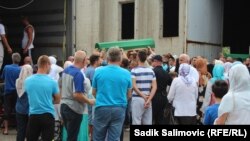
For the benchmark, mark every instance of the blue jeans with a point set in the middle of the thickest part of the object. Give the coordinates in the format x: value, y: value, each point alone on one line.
x: 108, y: 121
x: 72, y: 122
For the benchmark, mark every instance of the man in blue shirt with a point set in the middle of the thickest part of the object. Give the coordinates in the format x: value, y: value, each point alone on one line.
x: 73, y: 96
x: 42, y: 93
x: 9, y: 75
x: 111, y: 86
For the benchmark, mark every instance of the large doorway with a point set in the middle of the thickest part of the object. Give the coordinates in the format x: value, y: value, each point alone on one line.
x: 236, y: 25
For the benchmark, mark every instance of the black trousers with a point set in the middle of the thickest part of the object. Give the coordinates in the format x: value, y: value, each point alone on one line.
x: 41, y: 124
x: 186, y: 120
x: 159, y: 102
x: 22, y: 121
x: 72, y: 122
x: 9, y: 104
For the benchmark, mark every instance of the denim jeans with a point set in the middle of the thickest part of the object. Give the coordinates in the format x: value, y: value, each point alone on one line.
x: 72, y: 122
x: 22, y: 122
x: 108, y: 121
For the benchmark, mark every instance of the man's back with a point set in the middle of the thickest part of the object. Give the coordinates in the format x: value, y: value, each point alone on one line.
x: 10, y: 74
x: 112, y: 83
x: 40, y: 88
x: 162, y: 78
x: 72, y: 82
x: 144, y: 77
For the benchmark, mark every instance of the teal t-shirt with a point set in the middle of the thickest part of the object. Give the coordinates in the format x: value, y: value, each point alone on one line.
x: 112, y: 84
x: 40, y: 89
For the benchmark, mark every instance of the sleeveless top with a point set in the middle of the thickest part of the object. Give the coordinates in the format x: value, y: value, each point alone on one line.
x: 25, y: 37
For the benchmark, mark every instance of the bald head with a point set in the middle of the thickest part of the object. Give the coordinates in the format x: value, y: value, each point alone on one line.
x: 184, y: 58
x: 79, y: 58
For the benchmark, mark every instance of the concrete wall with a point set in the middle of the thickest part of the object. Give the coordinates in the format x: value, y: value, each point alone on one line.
x: 87, y: 28
x: 100, y: 20
x: 200, y: 25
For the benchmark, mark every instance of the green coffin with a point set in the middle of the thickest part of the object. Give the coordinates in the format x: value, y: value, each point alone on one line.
x: 128, y: 44
x: 243, y: 56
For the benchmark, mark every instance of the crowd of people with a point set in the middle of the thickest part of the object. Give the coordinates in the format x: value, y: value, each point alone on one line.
x: 95, y: 97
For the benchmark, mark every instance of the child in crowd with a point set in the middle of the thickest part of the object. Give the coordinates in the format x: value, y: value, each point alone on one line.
x: 219, y: 89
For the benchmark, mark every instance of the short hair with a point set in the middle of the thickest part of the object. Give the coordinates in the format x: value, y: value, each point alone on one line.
x: 93, y: 58
x: 79, y: 56
x: 27, y: 60
x: 42, y: 61
x: 16, y: 58
x: 142, y: 55
x: 219, y: 88
x: 125, y: 63
x: 114, y: 54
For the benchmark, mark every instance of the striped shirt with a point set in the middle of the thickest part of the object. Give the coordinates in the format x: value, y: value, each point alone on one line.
x: 144, y: 77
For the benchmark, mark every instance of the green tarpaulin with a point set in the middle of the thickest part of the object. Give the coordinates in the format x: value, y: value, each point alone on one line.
x: 128, y: 44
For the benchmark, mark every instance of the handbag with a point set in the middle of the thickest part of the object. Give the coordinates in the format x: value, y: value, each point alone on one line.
x: 169, y: 114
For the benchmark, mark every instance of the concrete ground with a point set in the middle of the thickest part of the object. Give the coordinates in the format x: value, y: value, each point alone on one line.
x: 12, y: 136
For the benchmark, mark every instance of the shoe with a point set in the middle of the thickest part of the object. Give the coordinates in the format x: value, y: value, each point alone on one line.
x: 5, y: 133
x: 127, y: 129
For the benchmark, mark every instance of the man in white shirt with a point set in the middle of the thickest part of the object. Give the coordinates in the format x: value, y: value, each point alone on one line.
x: 3, y: 43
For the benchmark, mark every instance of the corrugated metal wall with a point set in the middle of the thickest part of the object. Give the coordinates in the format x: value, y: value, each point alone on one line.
x: 209, y: 51
x: 47, y: 17
x: 204, y: 28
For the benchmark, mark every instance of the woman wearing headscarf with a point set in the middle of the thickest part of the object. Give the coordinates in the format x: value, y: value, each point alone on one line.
x: 183, y: 95
x: 227, y: 67
x: 55, y: 70
x: 209, y: 99
x: 22, y: 105
x: 235, y: 105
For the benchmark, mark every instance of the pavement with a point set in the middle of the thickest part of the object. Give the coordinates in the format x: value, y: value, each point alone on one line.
x: 12, y: 136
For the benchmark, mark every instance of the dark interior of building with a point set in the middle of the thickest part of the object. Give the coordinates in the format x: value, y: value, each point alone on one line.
x: 236, y: 30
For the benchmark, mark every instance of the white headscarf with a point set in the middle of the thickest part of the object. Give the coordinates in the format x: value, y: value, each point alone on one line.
x: 237, y: 101
x: 227, y: 67
x: 55, y: 69
x: 184, y: 74
x: 26, y: 71
x: 239, y: 79
x: 216, y: 62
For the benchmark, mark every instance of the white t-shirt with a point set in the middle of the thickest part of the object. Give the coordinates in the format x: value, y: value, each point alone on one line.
x: 2, y: 30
